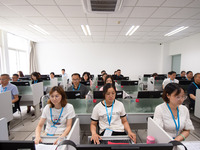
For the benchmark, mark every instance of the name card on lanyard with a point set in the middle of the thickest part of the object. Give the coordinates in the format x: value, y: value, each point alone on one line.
x: 3, y: 90
x: 108, y: 132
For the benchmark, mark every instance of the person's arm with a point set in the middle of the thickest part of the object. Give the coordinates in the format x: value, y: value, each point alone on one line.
x: 192, y: 96
x: 65, y: 133
x: 184, y: 134
x: 38, y: 130
x: 128, y: 129
x: 16, y: 98
x: 95, y: 137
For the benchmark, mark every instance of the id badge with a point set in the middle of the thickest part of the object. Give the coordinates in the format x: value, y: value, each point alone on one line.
x: 52, y: 131
x: 107, y: 132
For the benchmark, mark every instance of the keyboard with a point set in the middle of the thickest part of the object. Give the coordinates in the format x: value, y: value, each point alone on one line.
x: 113, y: 141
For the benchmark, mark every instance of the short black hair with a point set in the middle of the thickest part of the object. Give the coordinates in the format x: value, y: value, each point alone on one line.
x: 88, y: 74
x: 171, y: 72
x: 63, y: 69
x: 104, y: 74
x: 196, y: 75
x: 118, y: 69
x: 16, y: 75
x: 103, y: 71
x: 106, y: 87
x: 154, y: 74
x: 52, y: 73
x: 7, y: 75
x: 189, y: 72
x: 182, y: 71
x: 76, y: 74
x: 169, y: 89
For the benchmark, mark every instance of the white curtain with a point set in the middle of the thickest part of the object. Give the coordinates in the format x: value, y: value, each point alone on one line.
x: 32, y: 58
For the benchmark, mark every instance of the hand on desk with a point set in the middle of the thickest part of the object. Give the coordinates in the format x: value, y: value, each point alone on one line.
x: 95, y: 138
x: 132, y: 136
x: 38, y: 140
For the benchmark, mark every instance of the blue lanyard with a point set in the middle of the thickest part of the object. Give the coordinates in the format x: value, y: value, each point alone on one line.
x: 54, y: 123
x: 109, y: 118
x: 195, y: 85
x: 3, y: 90
x: 35, y: 81
x: 78, y: 87
x: 171, y: 81
x: 177, y: 127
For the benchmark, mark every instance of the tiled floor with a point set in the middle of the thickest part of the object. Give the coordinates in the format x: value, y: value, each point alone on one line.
x: 20, y: 132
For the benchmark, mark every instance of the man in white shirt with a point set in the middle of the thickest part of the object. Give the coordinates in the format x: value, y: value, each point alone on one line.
x: 171, y: 79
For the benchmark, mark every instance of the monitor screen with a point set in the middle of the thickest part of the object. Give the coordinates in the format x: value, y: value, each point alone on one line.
x: 147, y: 75
x: 27, y: 76
x: 24, y: 78
x: 167, y: 146
x: 73, y: 94
x: 45, y: 78
x: 99, y: 94
x: 21, y: 83
x: 58, y: 75
x: 125, y: 78
x: 184, y: 82
x: 17, y: 145
x: 181, y: 78
x: 149, y: 94
x: 160, y: 78
x: 87, y: 83
x: 100, y: 83
x: 129, y: 83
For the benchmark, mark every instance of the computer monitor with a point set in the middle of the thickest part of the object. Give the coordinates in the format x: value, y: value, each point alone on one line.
x: 24, y: 78
x: 28, y: 76
x: 17, y: 145
x: 181, y: 78
x: 100, y: 83
x: 185, y: 82
x: 149, y: 94
x: 23, y: 83
x: 91, y: 76
x: 45, y: 78
x: 160, y: 78
x: 167, y: 146
x: 125, y: 78
x: 58, y: 75
x: 99, y: 94
x: 73, y: 94
x: 87, y: 83
x: 147, y: 75
x: 129, y: 83
x: 162, y: 75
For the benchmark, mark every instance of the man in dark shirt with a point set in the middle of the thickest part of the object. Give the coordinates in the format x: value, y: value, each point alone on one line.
x: 119, y: 76
x: 192, y: 90
x: 77, y: 86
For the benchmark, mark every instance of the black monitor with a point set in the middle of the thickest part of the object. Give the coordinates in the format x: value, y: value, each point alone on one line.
x: 184, y: 82
x: 99, y: 94
x: 160, y: 78
x: 24, y: 78
x: 44, y: 76
x: 86, y: 83
x: 163, y: 146
x: 125, y: 78
x: 22, y: 83
x: 100, y: 83
x: 58, y: 75
x: 73, y: 94
x: 129, y: 83
x: 17, y: 145
x: 181, y: 78
x: 147, y: 75
x: 91, y: 76
x: 28, y: 76
x: 162, y: 75
x: 149, y: 94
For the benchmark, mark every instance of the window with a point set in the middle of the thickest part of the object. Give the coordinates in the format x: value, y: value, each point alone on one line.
x: 18, y: 54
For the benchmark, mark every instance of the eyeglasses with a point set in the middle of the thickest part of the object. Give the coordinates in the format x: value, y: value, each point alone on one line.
x: 181, y: 97
x: 3, y: 79
x: 75, y: 79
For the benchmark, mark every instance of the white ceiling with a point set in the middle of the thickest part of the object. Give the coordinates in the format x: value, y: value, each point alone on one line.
x: 62, y: 19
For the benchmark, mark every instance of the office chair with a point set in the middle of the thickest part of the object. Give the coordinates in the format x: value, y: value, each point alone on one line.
x: 17, y: 108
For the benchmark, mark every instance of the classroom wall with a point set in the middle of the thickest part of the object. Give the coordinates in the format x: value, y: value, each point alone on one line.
x: 189, y: 48
x: 132, y: 59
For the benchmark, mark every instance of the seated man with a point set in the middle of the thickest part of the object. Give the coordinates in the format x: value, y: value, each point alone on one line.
x: 15, y: 78
x: 52, y: 75
x: 189, y: 75
x: 192, y: 90
x: 118, y: 76
x: 77, y: 86
x: 182, y: 74
x: 171, y: 79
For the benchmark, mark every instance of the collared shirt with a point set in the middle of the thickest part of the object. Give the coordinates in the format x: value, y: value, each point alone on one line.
x: 168, y: 80
x: 10, y: 87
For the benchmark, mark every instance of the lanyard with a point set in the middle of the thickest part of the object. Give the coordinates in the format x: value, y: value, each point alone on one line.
x: 177, y: 127
x: 109, y: 118
x: 35, y: 81
x: 171, y: 81
x: 3, y: 90
x: 195, y: 85
x: 78, y: 87
x: 54, y: 123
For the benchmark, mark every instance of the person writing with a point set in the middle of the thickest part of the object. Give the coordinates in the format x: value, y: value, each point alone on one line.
x: 58, y: 114
x: 111, y: 115
x: 171, y: 115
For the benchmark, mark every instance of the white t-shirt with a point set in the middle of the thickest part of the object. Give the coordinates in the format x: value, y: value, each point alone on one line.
x: 99, y: 114
x: 168, y: 80
x: 68, y: 113
x: 163, y: 117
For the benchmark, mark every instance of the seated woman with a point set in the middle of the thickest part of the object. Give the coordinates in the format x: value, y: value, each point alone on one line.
x: 58, y: 114
x: 86, y: 77
x: 111, y: 115
x: 109, y: 79
x: 171, y: 115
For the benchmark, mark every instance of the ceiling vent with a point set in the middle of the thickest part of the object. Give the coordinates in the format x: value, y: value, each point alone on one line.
x: 102, y: 6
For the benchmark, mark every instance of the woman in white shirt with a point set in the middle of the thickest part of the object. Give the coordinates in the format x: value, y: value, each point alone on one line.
x: 171, y: 115
x: 111, y: 115
x: 58, y: 114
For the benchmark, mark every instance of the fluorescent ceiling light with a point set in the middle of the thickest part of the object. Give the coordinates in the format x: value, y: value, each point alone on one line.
x: 86, y: 29
x: 176, y: 31
x: 132, y: 30
x: 39, y: 29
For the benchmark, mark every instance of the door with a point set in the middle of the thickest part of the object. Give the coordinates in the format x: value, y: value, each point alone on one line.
x: 176, y: 63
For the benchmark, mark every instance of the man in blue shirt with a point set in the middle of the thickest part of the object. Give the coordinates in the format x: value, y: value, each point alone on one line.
x: 6, y: 86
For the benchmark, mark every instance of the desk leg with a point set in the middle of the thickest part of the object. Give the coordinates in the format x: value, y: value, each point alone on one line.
x: 37, y: 112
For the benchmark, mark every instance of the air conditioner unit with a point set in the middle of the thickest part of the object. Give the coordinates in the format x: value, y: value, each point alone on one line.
x: 102, y: 6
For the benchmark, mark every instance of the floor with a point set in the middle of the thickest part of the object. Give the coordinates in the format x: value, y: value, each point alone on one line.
x: 26, y: 132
